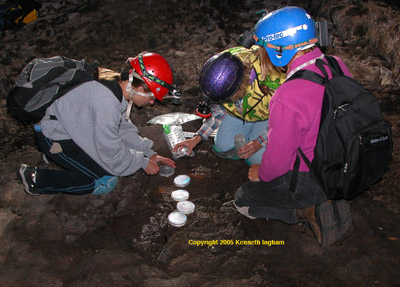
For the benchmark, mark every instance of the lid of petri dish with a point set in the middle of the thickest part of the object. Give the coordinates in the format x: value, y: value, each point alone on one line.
x: 179, y: 195
x: 182, y: 180
x: 166, y: 170
x: 177, y: 219
x: 186, y: 207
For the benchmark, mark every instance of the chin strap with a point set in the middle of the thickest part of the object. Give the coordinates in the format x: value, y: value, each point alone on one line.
x: 131, y: 93
x: 128, y: 109
x: 130, y: 104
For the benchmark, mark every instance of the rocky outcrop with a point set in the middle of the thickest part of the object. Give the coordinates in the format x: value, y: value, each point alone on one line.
x: 122, y: 238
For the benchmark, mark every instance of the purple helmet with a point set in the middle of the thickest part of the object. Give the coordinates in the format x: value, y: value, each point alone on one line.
x: 221, y: 76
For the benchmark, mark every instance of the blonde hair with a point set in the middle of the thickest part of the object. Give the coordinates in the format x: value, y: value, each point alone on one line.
x: 300, y: 53
x: 241, y: 91
x: 267, y: 67
x: 109, y: 75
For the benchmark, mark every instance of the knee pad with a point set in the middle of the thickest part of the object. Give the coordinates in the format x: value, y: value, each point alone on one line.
x: 105, y: 184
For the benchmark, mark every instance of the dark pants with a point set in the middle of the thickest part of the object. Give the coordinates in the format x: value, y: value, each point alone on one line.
x: 275, y: 200
x: 81, y: 174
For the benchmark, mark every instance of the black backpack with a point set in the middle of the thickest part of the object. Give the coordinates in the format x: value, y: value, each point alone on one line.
x: 354, y: 144
x: 42, y: 81
x: 15, y: 13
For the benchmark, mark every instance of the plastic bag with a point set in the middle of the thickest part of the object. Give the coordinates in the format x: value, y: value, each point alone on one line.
x: 174, y: 119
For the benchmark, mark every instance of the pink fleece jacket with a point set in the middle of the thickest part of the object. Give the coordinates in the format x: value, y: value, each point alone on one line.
x: 295, y: 111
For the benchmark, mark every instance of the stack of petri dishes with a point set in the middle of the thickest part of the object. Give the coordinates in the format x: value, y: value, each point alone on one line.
x: 184, y: 207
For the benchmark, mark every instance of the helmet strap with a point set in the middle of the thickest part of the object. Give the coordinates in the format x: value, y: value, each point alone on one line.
x: 128, y: 109
x: 129, y: 85
x: 133, y: 92
x: 281, y: 49
x: 151, y: 77
x: 130, y: 104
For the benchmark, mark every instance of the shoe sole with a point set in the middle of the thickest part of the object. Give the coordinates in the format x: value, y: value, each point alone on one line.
x: 341, y: 208
x: 334, y: 219
x: 326, y: 220
x: 244, y: 211
x: 21, y: 179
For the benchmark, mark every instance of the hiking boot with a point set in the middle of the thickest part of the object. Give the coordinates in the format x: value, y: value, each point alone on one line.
x: 329, y: 220
x: 27, y: 176
x: 307, y: 215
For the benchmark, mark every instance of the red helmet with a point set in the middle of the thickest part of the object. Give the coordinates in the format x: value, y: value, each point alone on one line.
x: 155, y: 72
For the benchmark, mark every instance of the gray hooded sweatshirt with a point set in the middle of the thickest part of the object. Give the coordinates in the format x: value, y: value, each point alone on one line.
x: 94, y: 119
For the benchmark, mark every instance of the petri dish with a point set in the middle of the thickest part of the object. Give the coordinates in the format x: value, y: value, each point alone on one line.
x: 182, y: 180
x: 177, y: 219
x: 185, y: 207
x: 180, y: 195
x: 166, y: 170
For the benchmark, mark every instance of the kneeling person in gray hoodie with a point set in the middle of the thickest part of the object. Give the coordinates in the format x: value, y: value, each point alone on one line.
x: 88, y: 131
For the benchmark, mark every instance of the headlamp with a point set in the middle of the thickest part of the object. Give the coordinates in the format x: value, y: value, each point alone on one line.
x: 321, y: 29
x: 203, y: 109
x: 246, y: 39
x: 174, y: 96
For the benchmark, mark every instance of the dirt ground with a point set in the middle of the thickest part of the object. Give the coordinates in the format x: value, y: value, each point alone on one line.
x: 123, y: 238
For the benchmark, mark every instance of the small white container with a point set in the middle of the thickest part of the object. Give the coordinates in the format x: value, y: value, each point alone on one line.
x: 182, y: 180
x: 177, y: 219
x: 180, y: 195
x: 185, y: 207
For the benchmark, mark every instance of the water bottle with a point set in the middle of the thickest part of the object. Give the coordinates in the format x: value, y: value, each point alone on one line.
x: 239, y: 142
x: 174, y: 135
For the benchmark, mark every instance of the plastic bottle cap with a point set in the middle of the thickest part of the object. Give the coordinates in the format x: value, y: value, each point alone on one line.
x: 186, y: 207
x: 166, y: 170
x: 182, y: 180
x: 179, y: 195
x: 177, y: 219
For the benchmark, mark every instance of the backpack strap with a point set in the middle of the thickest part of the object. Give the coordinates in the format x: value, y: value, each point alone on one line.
x: 321, y: 80
x: 333, y: 63
x: 295, y: 174
x: 304, y: 157
x: 296, y: 168
x: 308, y: 75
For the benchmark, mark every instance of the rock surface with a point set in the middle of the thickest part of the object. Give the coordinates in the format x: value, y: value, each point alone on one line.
x: 123, y: 238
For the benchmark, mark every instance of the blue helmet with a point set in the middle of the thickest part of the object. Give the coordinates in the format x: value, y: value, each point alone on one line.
x: 221, y: 76
x: 284, y: 32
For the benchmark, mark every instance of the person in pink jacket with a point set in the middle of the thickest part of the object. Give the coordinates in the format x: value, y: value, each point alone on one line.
x: 289, y: 36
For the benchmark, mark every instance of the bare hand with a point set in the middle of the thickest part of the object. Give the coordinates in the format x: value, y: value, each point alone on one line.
x: 152, y: 168
x: 253, y: 173
x: 249, y: 149
x: 162, y: 160
x: 189, y: 143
